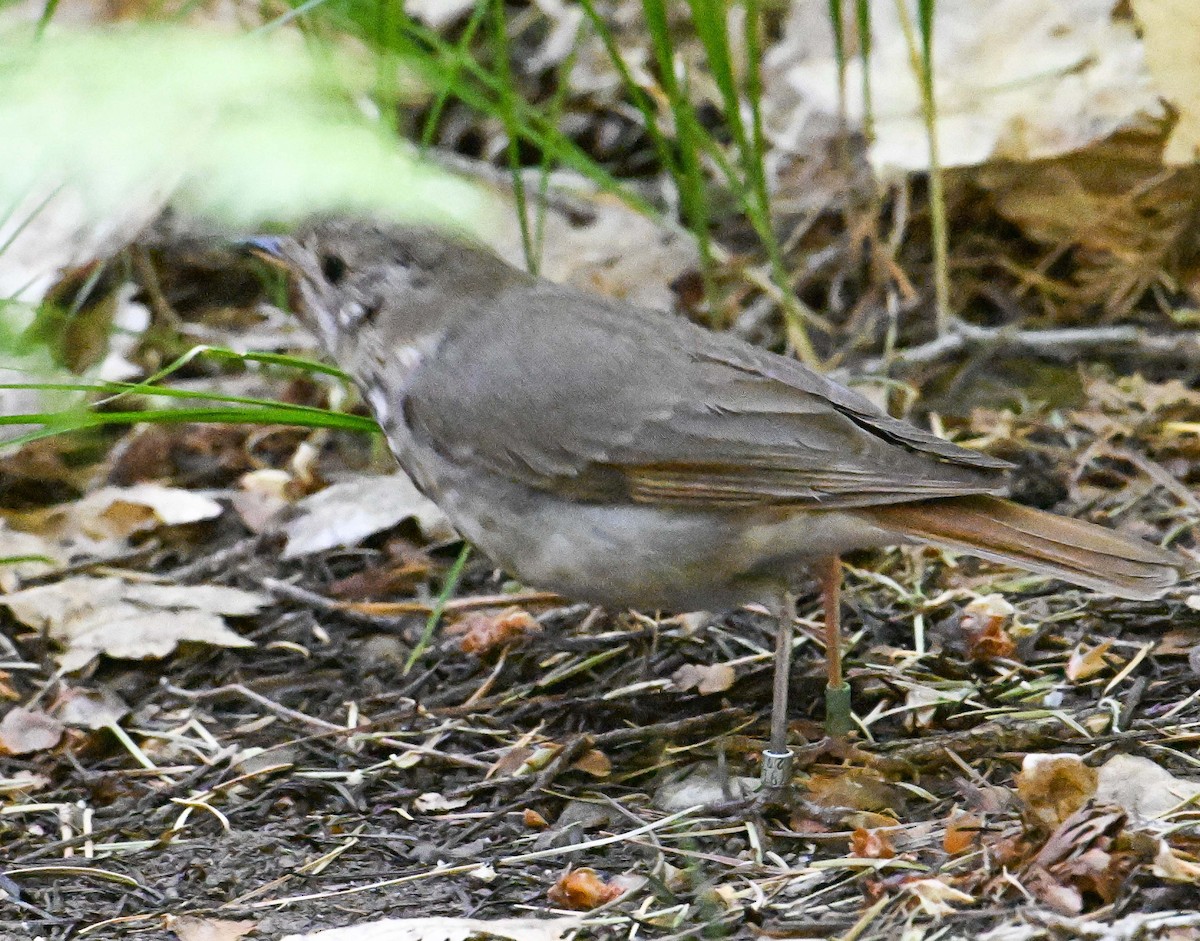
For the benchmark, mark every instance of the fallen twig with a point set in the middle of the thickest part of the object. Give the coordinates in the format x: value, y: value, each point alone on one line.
x: 1067, y: 344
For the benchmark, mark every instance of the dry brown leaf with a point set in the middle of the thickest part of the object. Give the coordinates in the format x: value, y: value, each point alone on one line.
x: 514, y: 760
x: 484, y: 632
x: 857, y: 789
x: 962, y: 833
x: 871, y: 844
x: 984, y: 622
x: 407, y: 567
x: 1084, y: 663
x: 1077, y: 862
x: 1179, y: 641
x: 23, y: 731
x: 595, y: 763
x: 935, y: 897
x: 110, y: 516
x: 191, y: 928
x: 1054, y: 787
x: 705, y: 679
x: 1169, y: 863
x: 130, y: 620
x: 582, y: 890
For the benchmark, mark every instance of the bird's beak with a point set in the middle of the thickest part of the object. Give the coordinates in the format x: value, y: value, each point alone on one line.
x: 268, y: 248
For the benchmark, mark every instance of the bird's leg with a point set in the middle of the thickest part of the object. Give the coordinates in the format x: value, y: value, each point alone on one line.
x: 777, y: 759
x: 838, y: 721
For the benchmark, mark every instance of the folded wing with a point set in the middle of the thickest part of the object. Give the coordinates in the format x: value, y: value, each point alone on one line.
x: 643, y: 406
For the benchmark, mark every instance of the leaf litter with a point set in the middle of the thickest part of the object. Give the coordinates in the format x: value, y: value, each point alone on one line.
x: 1024, y: 766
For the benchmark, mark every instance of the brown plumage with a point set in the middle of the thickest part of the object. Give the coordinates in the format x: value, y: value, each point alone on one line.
x: 1077, y: 552
x: 629, y: 457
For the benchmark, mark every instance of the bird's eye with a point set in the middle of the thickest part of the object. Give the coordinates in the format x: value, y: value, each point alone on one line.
x: 333, y: 267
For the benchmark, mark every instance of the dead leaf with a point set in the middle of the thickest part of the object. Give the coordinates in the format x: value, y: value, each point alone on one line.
x: 1084, y: 663
x: 1142, y: 787
x: 1021, y: 81
x: 1169, y: 31
x: 513, y: 761
x: 112, y: 515
x: 41, y: 556
x: 871, y: 844
x: 1077, y: 862
x: 484, y: 632
x: 582, y: 889
x: 921, y: 701
x: 595, y: 763
x: 962, y: 833
x: 19, y: 785
x: 262, y: 496
x: 407, y: 566
x: 984, y: 622
x: 1169, y: 863
x: 347, y: 512
x: 703, y: 783
x: 89, y: 708
x: 854, y: 788
x: 23, y: 731
x: 89, y: 616
x: 714, y: 678
x: 585, y: 244
x: 191, y: 928
x: 434, y: 803
x: 1054, y: 787
x: 935, y: 897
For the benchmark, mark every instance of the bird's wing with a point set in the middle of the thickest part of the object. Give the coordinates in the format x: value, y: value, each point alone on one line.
x: 604, y: 401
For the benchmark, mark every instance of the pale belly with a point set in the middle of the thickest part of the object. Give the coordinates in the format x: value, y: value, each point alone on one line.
x: 640, y: 556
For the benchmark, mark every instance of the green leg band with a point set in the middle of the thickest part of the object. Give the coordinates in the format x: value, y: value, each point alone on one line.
x: 838, y: 719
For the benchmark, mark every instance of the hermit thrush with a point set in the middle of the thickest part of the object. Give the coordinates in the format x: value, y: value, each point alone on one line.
x: 630, y: 458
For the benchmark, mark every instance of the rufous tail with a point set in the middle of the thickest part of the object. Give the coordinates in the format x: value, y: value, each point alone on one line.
x: 1077, y: 552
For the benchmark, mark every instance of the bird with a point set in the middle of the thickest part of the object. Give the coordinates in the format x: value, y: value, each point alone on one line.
x: 630, y: 458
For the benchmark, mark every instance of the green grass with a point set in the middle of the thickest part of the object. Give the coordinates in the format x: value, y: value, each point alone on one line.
x: 475, y: 69
x: 709, y: 162
x: 99, y: 412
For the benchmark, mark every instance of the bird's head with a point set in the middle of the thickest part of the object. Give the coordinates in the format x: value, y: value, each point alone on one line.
x: 366, y: 288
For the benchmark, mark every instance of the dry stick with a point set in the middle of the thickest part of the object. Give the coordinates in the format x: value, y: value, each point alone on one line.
x: 1066, y: 344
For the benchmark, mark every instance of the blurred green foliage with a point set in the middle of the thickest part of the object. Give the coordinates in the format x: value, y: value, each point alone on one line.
x: 240, y: 129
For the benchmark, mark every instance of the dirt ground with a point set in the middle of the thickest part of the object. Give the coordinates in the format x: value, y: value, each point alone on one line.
x: 1025, y: 765
x: 309, y: 782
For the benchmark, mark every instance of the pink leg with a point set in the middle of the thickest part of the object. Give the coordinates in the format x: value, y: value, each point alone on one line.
x: 838, y: 720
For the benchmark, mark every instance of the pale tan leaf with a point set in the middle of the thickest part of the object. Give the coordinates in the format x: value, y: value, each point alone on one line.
x: 191, y: 928
x: 23, y: 731
x: 1170, y: 33
x: 131, y: 620
x: 346, y: 513
x: 714, y: 678
x: 1142, y: 787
